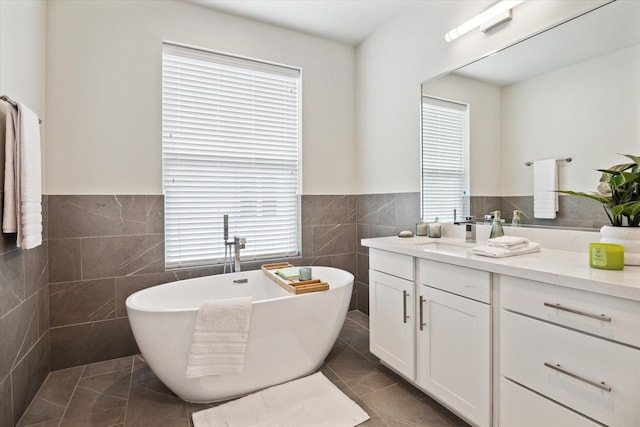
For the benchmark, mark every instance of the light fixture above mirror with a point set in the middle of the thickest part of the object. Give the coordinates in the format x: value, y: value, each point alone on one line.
x: 496, y: 15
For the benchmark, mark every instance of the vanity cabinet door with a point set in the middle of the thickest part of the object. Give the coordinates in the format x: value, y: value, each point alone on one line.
x: 391, y: 320
x: 454, y: 352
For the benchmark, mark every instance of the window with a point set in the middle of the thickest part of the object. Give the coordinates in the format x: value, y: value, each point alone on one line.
x: 231, y: 145
x: 444, y: 159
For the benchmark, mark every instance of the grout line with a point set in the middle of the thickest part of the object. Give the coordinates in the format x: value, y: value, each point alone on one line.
x: 88, y: 322
x: 72, y: 394
x: 126, y: 407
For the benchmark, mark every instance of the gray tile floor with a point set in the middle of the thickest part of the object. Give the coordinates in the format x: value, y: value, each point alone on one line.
x: 124, y: 392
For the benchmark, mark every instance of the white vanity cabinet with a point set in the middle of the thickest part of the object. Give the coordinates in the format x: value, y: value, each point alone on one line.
x: 391, y: 310
x: 453, y: 347
x: 567, y: 357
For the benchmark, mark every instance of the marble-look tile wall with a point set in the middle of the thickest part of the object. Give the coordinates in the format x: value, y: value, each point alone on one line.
x: 572, y: 212
x: 380, y: 215
x: 104, y: 248
x: 24, y: 323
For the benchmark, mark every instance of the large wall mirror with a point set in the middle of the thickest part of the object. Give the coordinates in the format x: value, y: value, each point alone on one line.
x: 571, y: 91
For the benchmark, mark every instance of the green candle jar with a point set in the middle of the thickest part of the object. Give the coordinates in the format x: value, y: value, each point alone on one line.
x: 607, y: 256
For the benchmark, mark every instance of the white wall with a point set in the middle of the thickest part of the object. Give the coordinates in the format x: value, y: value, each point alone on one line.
x: 104, y: 92
x: 22, y: 57
x: 393, y: 62
x: 587, y: 111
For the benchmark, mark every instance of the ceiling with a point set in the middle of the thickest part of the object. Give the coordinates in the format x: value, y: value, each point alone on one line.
x: 346, y: 21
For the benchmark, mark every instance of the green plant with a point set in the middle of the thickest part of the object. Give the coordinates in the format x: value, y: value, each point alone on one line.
x: 618, y: 192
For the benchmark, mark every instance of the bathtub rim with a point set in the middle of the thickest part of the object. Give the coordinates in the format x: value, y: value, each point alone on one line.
x: 130, y: 305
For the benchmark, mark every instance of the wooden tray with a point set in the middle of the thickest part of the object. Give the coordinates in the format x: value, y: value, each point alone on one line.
x: 293, y: 286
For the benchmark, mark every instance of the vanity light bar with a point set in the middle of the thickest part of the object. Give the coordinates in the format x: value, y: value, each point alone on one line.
x: 493, y: 12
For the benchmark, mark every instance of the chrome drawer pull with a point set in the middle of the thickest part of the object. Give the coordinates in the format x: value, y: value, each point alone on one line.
x: 601, y: 385
x: 602, y: 317
x: 422, y: 324
x: 405, y: 294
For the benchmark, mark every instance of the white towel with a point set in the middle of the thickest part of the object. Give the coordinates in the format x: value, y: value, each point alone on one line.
x: 509, y: 242
x: 10, y: 118
x: 495, y: 252
x: 220, y: 338
x: 545, y: 184
x: 23, y: 179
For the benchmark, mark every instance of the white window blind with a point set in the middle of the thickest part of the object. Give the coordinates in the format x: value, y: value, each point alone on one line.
x: 231, y: 142
x: 444, y: 159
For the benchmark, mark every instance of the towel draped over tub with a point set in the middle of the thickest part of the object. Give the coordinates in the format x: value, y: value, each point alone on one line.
x: 220, y: 338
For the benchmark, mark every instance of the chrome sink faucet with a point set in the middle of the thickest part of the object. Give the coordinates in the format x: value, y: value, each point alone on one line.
x: 470, y: 227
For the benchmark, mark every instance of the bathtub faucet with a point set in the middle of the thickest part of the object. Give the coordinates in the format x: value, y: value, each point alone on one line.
x: 238, y: 243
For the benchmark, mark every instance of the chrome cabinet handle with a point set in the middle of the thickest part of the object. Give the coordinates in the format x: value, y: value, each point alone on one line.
x: 422, y: 324
x: 602, y: 317
x: 556, y: 367
x: 405, y: 294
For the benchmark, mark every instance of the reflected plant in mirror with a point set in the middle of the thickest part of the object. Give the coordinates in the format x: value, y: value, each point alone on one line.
x: 618, y: 193
x: 558, y: 94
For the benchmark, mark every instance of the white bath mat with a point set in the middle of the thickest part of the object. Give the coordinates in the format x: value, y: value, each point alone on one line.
x: 306, y: 402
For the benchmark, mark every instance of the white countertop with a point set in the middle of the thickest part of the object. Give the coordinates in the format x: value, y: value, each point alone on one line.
x: 559, y: 267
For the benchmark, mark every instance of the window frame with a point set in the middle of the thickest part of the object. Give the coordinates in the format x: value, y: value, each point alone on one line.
x: 462, y: 208
x: 239, y: 222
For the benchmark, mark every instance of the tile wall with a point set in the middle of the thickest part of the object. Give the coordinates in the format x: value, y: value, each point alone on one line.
x: 380, y: 215
x: 100, y: 249
x: 573, y: 211
x: 104, y: 248
x: 24, y: 323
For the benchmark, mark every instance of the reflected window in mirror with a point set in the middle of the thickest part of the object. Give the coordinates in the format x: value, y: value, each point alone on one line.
x: 445, y: 147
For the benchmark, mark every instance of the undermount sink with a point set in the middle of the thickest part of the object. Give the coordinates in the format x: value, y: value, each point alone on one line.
x: 458, y: 248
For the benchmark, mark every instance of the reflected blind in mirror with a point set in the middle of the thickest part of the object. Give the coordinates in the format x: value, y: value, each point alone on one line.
x: 444, y: 159
x: 231, y: 145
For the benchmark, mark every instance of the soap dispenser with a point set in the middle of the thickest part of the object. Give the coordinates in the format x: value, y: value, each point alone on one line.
x: 516, y: 218
x: 496, y: 227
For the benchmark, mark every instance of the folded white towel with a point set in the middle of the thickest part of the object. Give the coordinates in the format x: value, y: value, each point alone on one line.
x: 509, y: 242
x: 545, y: 184
x: 220, y: 338
x: 495, y: 252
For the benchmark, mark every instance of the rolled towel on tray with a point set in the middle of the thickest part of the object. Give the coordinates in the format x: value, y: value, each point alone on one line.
x: 497, y: 252
x: 220, y: 338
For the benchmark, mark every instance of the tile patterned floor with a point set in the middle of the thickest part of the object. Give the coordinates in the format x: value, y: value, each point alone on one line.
x: 124, y: 392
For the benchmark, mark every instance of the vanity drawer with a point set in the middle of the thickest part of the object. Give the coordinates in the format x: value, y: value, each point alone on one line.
x: 520, y: 407
x: 391, y: 263
x: 572, y: 368
x: 613, y: 318
x: 463, y: 281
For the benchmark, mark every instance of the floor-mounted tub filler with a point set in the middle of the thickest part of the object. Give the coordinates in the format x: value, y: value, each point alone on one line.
x: 289, y: 335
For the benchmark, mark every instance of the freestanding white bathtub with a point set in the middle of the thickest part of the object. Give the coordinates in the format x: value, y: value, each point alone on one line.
x: 289, y: 336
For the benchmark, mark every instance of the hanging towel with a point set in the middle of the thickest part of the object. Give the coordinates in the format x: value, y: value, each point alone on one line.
x: 220, y: 338
x: 23, y: 179
x: 29, y: 173
x: 9, y: 116
x: 545, y: 184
